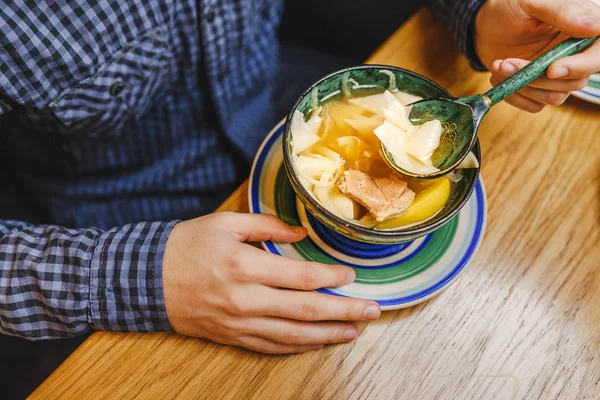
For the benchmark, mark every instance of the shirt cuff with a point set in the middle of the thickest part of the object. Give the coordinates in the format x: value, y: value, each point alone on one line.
x: 126, y: 286
x: 469, y: 46
x: 459, y: 16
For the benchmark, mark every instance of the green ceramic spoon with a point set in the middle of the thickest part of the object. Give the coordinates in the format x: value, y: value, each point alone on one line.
x: 461, y: 117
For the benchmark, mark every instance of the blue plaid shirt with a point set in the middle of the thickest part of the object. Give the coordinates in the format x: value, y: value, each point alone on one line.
x: 114, y: 112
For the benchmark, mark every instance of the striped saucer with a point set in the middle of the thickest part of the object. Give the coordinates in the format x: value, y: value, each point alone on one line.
x: 396, y: 276
x: 591, y: 92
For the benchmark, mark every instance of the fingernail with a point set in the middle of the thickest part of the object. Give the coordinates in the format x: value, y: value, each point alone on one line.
x: 591, y: 20
x: 496, y: 64
x: 299, y: 229
x: 508, y: 68
x: 560, y: 72
x: 350, y: 334
x: 350, y: 277
x: 372, y: 312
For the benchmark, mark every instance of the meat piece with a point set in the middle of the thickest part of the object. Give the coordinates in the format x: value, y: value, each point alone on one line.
x: 383, y: 197
x: 368, y: 218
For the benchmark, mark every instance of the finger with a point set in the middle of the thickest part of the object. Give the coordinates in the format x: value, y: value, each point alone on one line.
x: 547, y: 97
x: 520, y: 101
x: 578, y: 66
x: 260, y: 228
x: 496, y: 66
x: 265, y: 346
x: 312, y: 306
x: 277, y: 271
x: 560, y: 85
x: 289, y: 332
x: 508, y: 67
x: 502, y: 69
x: 577, y: 18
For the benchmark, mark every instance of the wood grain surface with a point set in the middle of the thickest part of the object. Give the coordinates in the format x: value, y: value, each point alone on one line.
x: 523, y: 321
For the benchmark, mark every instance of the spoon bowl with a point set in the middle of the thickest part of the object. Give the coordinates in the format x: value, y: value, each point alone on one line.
x: 458, y: 138
x: 461, y: 117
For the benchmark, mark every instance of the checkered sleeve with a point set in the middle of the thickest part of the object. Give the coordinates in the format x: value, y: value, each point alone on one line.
x: 459, y: 16
x: 57, y: 282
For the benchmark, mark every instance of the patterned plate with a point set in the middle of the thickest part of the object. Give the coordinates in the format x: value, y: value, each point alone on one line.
x: 591, y: 92
x: 396, y: 276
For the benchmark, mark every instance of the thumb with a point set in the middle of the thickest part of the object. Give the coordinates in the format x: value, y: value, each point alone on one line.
x: 577, y: 18
x: 262, y: 227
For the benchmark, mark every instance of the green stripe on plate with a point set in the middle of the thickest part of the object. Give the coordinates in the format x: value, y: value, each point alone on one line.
x: 441, y: 239
x: 594, y: 84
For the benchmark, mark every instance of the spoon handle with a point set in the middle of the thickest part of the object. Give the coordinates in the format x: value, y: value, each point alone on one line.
x: 537, y: 68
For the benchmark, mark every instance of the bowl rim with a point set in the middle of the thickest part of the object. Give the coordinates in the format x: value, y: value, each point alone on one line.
x: 306, y: 197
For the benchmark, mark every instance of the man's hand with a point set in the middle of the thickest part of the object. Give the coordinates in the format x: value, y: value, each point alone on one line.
x: 510, y: 33
x: 219, y: 288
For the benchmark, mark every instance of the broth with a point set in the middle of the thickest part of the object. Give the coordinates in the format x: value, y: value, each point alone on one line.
x: 336, y: 144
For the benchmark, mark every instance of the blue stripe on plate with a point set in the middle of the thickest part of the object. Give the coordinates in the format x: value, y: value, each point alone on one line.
x: 383, y: 266
x: 255, y: 179
x: 590, y: 93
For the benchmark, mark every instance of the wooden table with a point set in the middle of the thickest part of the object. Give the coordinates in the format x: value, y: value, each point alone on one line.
x: 523, y: 321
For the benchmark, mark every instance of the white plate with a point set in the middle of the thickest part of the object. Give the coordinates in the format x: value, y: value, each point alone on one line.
x: 591, y: 92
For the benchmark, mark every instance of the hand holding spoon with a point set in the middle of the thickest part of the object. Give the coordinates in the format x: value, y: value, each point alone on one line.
x: 461, y: 117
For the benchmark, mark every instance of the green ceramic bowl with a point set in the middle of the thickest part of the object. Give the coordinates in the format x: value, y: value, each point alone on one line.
x: 370, y: 78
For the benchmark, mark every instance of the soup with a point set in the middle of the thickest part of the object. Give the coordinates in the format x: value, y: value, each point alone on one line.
x: 337, y: 158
